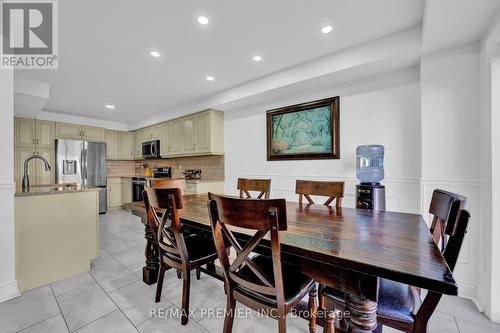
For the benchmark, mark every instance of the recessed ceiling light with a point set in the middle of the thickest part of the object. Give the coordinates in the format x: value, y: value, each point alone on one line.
x: 327, y: 29
x: 210, y: 78
x: 202, y: 20
x: 110, y: 106
x: 155, y: 54
x: 257, y: 58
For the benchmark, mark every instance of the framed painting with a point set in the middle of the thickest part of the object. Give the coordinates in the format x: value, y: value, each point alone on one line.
x: 307, y: 131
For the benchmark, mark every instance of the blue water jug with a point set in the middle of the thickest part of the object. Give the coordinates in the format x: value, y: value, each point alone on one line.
x: 370, y: 163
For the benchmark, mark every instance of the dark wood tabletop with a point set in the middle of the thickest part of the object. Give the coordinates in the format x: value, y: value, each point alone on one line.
x: 392, y: 245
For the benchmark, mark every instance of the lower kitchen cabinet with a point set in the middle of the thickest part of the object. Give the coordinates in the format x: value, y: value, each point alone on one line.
x: 114, y: 192
x: 204, y: 186
x: 126, y: 189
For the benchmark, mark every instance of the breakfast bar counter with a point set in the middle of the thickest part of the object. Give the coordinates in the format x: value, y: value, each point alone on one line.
x: 56, y: 233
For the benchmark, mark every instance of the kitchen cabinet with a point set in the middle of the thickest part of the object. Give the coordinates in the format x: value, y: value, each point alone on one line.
x: 202, y: 133
x: 34, y: 133
x: 92, y: 133
x: 125, y: 146
x: 80, y: 132
x: 36, y: 169
x: 45, y: 134
x: 114, y: 192
x: 68, y: 131
x: 126, y: 190
x: 138, y: 137
x: 164, y: 139
x: 111, y: 145
x: 151, y: 133
x: 199, y: 134
x: 189, y: 135
x: 176, y: 138
x: 204, y: 186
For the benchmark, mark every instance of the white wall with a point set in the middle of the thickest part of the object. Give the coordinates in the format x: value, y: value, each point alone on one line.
x: 8, y: 284
x: 383, y: 110
x: 450, y: 147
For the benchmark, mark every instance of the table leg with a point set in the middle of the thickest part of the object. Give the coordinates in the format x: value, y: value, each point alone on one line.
x: 361, y: 301
x: 363, y: 313
x: 150, y: 271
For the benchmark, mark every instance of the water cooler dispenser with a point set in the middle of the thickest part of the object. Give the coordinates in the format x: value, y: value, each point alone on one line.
x: 370, y: 194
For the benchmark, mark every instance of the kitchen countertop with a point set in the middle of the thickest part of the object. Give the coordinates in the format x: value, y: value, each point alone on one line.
x: 53, y: 189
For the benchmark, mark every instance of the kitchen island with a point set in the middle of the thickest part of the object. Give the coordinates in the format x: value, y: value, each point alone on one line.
x: 57, y: 232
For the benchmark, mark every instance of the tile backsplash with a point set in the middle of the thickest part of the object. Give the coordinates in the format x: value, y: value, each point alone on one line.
x: 212, y: 167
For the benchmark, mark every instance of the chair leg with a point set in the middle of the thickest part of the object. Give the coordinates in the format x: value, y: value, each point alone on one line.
x: 329, y: 325
x: 186, y: 286
x: 159, y: 285
x: 179, y: 275
x: 282, y: 324
x: 313, y: 309
x: 198, y: 273
x: 229, y: 314
x: 321, y: 297
x: 378, y: 329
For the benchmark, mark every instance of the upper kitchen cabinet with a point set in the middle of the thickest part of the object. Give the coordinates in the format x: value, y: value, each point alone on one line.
x: 189, y: 135
x: 91, y: 133
x: 80, y: 132
x: 198, y: 134
x: 68, y: 131
x: 111, y: 145
x: 138, y: 137
x: 176, y: 140
x: 45, y: 134
x: 125, y: 146
x: 31, y: 133
x: 120, y: 145
x: 165, y: 139
x: 151, y: 133
x: 37, y: 172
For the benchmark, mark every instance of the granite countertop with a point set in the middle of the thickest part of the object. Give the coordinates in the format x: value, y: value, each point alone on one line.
x: 54, y: 189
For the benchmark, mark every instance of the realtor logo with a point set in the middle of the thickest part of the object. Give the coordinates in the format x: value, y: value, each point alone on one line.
x: 29, y: 34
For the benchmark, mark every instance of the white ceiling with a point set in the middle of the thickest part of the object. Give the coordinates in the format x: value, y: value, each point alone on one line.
x: 104, y: 48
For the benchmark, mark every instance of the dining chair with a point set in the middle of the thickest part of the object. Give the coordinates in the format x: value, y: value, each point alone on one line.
x: 332, y: 190
x: 178, y: 251
x: 263, y: 282
x: 400, y: 306
x: 255, y: 185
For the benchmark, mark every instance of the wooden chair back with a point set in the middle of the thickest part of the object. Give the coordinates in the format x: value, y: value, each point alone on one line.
x: 255, y: 185
x: 167, y: 183
x: 444, y: 207
x: 263, y: 216
x: 450, y: 253
x: 162, y: 206
x: 332, y: 190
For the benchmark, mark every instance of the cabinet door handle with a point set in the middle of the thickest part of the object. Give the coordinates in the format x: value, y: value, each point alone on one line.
x: 33, y: 141
x: 37, y: 141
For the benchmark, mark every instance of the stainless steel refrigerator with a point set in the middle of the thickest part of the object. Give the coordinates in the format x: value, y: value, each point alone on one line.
x: 83, y: 162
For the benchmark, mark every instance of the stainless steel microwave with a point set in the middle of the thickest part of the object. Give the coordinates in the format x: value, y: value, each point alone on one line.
x: 151, y: 149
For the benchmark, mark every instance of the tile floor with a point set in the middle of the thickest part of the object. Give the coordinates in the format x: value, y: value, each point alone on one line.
x: 113, y: 298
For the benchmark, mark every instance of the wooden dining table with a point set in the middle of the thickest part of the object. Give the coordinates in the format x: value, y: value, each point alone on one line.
x: 345, y: 248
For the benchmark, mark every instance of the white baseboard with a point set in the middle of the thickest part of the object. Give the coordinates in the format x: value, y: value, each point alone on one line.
x: 471, y: 291
x: 8, y: 291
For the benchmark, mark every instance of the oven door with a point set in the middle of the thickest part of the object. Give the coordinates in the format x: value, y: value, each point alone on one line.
x: 137, y: 189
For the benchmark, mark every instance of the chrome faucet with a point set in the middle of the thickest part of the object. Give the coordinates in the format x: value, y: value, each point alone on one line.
x: 26, y: 177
